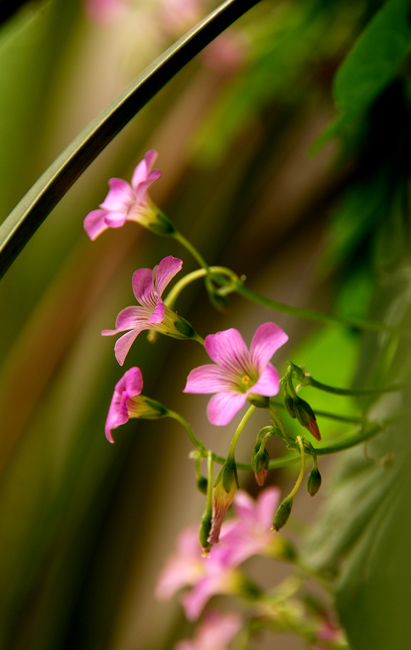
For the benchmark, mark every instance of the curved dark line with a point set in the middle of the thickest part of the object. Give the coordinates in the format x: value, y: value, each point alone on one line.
x: 39, y: 201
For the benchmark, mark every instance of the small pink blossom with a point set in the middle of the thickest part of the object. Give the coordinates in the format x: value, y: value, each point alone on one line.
x: 127, y: 403
x: 105, y: 11
x: 247, y: 534
x: 238, y: 373
x: 214, y: 633
x: 126, y: 202
x: 152, y: 313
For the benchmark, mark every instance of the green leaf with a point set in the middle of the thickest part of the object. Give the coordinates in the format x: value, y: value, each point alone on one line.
x: 373, y: 63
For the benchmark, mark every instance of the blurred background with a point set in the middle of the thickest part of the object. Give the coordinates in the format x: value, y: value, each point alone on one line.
x: 85, y: 527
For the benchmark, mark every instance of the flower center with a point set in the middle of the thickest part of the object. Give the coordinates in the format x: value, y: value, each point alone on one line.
x: 246, y: 380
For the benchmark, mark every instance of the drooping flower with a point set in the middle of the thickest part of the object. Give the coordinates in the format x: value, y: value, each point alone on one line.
x: 126, y: 202
x: 127, y: 402
x: 238, y: 373
x: 152, y: 313
x: 214, y: 633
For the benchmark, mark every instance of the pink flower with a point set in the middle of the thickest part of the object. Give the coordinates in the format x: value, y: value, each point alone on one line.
x: 249, y: 532
x: 152, y: 313
x: 207, y: 576
x: 214, y: 633
x: 239, y: 374
x: 127, y: 403
x: 105, y: 10
x: 126, y: 202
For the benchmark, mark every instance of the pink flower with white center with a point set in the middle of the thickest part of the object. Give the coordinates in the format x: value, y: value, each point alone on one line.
x: 214, y: 633
x: 239, y: 373
x: 127, y: 402
x: 126, y: 202
x: 152, y: 313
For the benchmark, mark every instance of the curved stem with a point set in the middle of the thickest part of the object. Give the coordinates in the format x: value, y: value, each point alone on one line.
x: 239, y: 430
x: 197, y: 443
x: 191, y: 249
x: 302, y: 468
x: 310, y: 314
x: 195, y: 275
x: 350, y: 391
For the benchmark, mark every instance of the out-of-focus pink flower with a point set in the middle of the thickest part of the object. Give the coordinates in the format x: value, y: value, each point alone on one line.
x: 238, y: 374
x: 206, y: 575
x: 152, y: 313
x: 226, y: 54
x: 214, y: 633
x: 105, y: 11
x: 126, y: 202
x: 127, y: 402
x: 249, y: 532
x: 178, y: 16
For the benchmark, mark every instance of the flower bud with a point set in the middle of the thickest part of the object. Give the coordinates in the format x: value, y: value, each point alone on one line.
x: 260, y: 401
x: 313, y: 481
x: 202, y: 484
x: 260, y: 461
x: 225, y: 487
x: 289, y: 405
x: 204, y: 532
x: 283, y: 513
x: 306, y: 416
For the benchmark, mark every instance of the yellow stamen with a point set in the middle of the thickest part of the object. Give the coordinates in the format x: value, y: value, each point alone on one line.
x: 246, y: 380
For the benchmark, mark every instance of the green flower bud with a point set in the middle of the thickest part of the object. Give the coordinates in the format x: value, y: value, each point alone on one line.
x: 289, y: 405
x: 260, y: 461
x: 202, y: 484
x: 204, y: 532
x: 313, y: 481
x: 260, y: 401
x: 306, y: 416
x: 283, y: 513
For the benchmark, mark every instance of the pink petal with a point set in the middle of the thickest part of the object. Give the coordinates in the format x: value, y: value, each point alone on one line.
x: 119, y: 197
x: 165, y: 272
x: 244, y: 507
x: 267, y: 339
x: 268, y: 383
x: 228, y: 349
x: 142, y: 187
x: 194, y: 601
x: 132, y: 318
x: 141, y: 171
x: 222, y: 407
x: 115, y: 219
x: 124, y: 343
x: 267, y: 503
x: 94, y: 223
x: 133, y: 381
x: 207, y: 379
x: 158, y: 313
x: 143, y: 287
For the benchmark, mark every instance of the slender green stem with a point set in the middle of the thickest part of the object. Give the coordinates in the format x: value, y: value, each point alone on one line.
x: 350, y: 391
x: 302, y: 468
x: 209, y: 502
x: 239, y: 430
x: 197, y: 443
x: 191, y: 249
x: 191, y: 277
x: 310, y: 314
